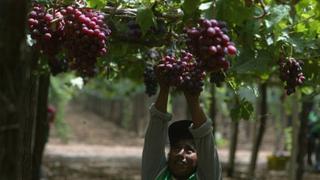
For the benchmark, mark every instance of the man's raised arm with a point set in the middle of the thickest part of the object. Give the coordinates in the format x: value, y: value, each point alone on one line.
x: 209, y: 167
x: 153, y: 157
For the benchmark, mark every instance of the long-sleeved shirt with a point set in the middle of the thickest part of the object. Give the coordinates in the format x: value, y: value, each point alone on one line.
x: 154, y: 158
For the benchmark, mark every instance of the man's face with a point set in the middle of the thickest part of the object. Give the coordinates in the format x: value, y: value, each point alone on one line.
x: 182, y: 159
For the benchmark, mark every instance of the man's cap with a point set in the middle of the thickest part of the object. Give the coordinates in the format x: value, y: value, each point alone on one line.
x: 179, y: 130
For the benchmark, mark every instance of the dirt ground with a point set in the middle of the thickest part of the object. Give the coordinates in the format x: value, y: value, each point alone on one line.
x: 87, y: 128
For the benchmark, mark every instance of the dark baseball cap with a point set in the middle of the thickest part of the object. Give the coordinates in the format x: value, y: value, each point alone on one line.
x: 179, y: 130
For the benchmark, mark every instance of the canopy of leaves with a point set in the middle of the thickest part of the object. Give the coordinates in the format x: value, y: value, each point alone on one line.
x: 261, y: 32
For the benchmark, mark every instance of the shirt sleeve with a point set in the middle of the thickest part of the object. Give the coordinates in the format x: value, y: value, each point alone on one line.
x: 209, y: 167
x: 153, y: 156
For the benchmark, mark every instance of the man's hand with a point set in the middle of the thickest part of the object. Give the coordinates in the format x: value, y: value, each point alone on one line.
x: 197, y: 114
x: 190, y: 97
x: 162, y: 99
x: 161, y: 79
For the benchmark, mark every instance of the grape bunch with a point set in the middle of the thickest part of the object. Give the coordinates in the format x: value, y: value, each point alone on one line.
x: 150, y: 81
x: 210, y: 43
x: 78, y: 35
x: 193, y: 80
x: 182, y: 73
x: 217, y: 78
x: 47, y: 29
x: 48, y: 34
x: 87, y: 35
x: 291, y: 74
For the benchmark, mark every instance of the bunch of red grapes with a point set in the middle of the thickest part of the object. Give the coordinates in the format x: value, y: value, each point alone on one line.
x: 150, y: 81
x: 87, y: 35
x: 210, y: 44
x: 184, y: 73
x: 80, y: 33
x: 49, y: 36
x: 291, y: 74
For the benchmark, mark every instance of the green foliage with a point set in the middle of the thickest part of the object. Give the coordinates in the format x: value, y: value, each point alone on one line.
x: 288, y: 138
x: 44, y: 1
x: 97, y: 4
x: 234, y: 12
x: 292, y: 30
x: 242, y: 110
x: 277, y: 13
x: 120, y: 88
x: 220, y: 141
x: 145, y: 19
x: 190, y: 8
x: 207, y: 10
x: 60, y: 94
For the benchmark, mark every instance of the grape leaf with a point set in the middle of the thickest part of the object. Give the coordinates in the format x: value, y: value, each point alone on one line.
x: 205, y: 6
x: 307, y: 90
x: 98, y: 4
x: 242, y: 110
x: 190, y: 6
x: 233, y: 11
x: 145, y: 18
x: 190, y: 9
x: 277, y: 13
x: 246, y: 109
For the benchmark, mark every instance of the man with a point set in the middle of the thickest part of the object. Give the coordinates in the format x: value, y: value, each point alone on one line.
x: 192, y: 153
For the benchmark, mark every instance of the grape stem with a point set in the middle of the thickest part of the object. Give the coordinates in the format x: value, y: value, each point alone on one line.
x: 131, y: 13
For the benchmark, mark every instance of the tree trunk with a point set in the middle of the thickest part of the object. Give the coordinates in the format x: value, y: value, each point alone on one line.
x: 301, y: 148
x: 261, y: 130
x: 295, y: 131
x: 279, y: 144
x: 15, y: 111
x: 42, y: 125
x: 29, y: 130
x: 233, y: 148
